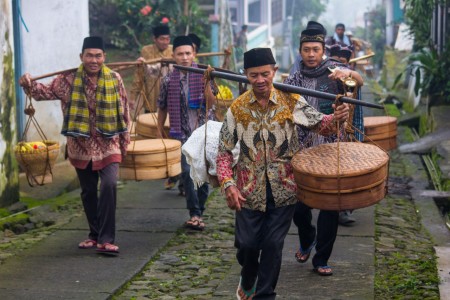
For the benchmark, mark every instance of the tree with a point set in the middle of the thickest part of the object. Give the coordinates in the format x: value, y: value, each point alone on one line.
x: 301, y: 12
x: 124, y: 23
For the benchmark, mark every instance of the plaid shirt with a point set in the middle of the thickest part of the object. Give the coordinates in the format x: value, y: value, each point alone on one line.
x: 268, y: 140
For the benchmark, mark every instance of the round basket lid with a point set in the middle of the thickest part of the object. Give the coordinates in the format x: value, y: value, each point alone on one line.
x: 153, y: 146
x: 151, y: 119
x: 379, y: 121
x: 355, y: 159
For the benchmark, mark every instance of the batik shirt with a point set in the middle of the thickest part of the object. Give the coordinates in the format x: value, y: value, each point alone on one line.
x: 268, y: 140
x: 101, y: 150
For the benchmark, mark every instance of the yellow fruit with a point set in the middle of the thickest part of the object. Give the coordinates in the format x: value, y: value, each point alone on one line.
x: 29, y: 147
x: 37, y: 145
x: 21, y: 147
x: 224, y: 93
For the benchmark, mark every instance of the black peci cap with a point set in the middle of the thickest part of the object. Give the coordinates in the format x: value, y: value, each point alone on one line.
x: 93, y: 42
x: 258, y: 57
x: 314, y: 32
x: 196, y: 40
x: 182, y: 40
x: 161, y: 30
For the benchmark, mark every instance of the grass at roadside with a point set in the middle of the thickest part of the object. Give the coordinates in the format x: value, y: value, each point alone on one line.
x: 45, y: 215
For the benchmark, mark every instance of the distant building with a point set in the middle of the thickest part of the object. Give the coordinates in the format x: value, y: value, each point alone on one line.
x: 394, y: 16
x: 440, y: 25
x: 263, y: 17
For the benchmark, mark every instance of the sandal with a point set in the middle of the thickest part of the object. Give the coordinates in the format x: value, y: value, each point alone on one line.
x: 201, y: 224
x: 323, y: 270
x: 195, y: 223
x: 303, y: 256
x: 107, y: 248
x: 87, y: 244
x: 243, y: 294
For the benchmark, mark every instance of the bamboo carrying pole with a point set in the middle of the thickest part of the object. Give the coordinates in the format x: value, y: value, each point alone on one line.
x: 130, y: 64
x: 283, y: 87
x: 110, y: 65
x: 361, y: 58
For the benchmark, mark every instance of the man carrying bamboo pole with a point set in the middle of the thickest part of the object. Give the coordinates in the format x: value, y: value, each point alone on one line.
x: 182, y: 99
x: 261, y: 186
x: 148, y: 86
x: 96, y: 116
x: 317, y: 73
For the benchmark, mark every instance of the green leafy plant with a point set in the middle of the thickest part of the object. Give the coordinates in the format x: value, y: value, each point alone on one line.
x: 128, y: 23
x: 431, y: 72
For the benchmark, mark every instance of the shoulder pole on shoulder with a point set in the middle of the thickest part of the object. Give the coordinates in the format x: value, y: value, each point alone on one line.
x: 282, y: 87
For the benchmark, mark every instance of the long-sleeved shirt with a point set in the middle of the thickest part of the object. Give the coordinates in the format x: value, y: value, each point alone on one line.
x: 101, y: 150
x: 150, y: 84
x: 190, y: 118
x: 268, y: 140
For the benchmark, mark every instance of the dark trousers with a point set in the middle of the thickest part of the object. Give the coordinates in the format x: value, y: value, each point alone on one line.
x: 195, y: 199
x: 260, y: 240
x: 100, y: 208
x: 327, y: 226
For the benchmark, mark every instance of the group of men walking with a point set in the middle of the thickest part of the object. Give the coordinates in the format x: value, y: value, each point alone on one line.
x: 269, y: 125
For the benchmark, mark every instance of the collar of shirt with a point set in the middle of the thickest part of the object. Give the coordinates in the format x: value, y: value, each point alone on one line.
x: 272, y: 97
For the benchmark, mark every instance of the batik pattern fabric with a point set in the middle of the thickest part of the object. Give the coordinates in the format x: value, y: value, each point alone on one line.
x: 317, y: 79
x: 97, y: 148
x: 268, y: 139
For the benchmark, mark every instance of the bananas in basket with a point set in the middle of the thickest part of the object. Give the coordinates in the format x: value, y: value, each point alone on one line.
x: 29, y: 147
x: 224, y: 93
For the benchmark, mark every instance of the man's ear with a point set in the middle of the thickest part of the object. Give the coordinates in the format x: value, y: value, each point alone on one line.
x: 275, y: 69
x: 81, y: 56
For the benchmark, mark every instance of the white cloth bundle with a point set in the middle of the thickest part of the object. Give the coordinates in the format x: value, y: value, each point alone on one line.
x: 194, y: 150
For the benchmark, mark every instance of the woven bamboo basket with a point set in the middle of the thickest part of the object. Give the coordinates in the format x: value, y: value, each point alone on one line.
x: 220, y: 108
x: 132, y: 131
x: 363, y: 170
x: 151, y: 159
x: 147, y: 125
x: 38, y: 163
x: 381, y: 131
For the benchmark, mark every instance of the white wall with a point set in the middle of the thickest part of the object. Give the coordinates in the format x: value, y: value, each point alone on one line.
x: 56, y: 32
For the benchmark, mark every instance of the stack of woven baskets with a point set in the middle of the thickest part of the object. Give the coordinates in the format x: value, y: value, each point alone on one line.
x: 151, y: 159
x: 381, y: 131
x: 147, y: 125
x: 340, y: 177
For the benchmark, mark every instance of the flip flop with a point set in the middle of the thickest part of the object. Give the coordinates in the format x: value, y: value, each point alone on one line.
x: 305, y: 254
x: 195, y: 223
x: 87, y: 244
x: 107, y: 248
x: 323, y: 270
